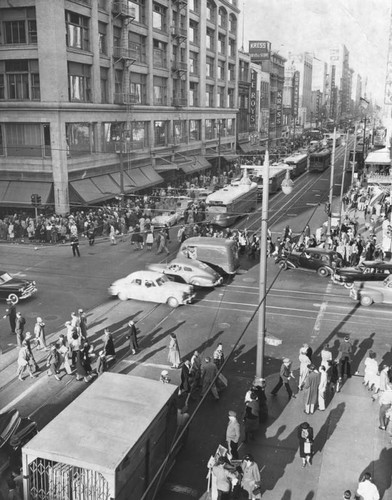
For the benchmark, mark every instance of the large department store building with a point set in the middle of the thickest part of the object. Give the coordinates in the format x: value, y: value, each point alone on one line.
x: 103, y: 97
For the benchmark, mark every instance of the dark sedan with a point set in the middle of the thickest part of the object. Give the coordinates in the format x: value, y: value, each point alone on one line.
x: 15, y: 288
x: 368, y: 270
x: 324, y: 262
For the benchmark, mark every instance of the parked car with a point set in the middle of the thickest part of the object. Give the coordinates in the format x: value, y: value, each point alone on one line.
x: 378, y: 292
x: 151, y: 286
x: 15, y: 288
x: 166, y: 219
x: 189, y: 271
x: 324, y: 262
x: 369, y: 270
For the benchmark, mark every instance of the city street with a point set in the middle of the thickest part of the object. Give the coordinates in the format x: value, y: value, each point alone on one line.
x: 301, y: 307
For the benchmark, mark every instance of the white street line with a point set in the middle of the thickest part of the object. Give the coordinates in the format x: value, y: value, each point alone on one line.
x: 321, y: 314
x: 153, y: 365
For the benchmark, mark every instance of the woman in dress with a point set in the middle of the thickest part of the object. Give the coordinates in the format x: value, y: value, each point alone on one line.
x: 174, y: 352
x: 371, y: 378
x: 39, y: 332
x: 304, y: 362
x: 250, y: 477
x: 322, y: 389
x: 305, y: 436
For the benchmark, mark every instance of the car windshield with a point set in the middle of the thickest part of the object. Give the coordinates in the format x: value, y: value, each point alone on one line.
x: 162, y: 280
x: 5, y: 277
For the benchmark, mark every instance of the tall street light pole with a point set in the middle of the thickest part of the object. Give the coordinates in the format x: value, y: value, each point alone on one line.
x: 263, y: 271
x: 354, y: 153
x: 343, y: 178
x: 331, y: 183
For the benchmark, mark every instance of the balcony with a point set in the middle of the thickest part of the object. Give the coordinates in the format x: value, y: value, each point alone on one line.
x: 179, y: 33
x: 124, y: 54
x: 180, y: 102
x: 123, y: 9
x: 179, y: 66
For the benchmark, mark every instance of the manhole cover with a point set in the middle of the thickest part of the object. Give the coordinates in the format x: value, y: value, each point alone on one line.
x: 223, y: 325
x: 249, y: 280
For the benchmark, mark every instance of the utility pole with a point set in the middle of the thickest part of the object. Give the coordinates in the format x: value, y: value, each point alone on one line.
x: 331, y: 183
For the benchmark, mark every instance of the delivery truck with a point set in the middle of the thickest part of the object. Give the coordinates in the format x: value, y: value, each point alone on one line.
x: 108, y: 444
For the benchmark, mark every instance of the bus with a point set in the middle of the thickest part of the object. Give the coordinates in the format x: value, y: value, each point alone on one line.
x: 299, y: 162
x: 228, y: 204
x: 318, y: 162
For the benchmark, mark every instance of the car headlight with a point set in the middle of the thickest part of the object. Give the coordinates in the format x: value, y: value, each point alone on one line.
x: 21, y: 289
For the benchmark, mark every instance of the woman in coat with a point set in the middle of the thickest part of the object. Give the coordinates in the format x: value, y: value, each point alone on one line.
x: 311, y: 386
x: 81, y: 372
x: 305, y: 437
x: 174, y: 352
x: 39, y: 332
x: 53, y: 362
x: 251, y: 417
x: 250, y: 477
x: 108, y: 344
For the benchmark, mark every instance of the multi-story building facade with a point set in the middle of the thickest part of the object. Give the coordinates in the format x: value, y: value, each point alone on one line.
x: 339, y: 71
x: 102, y: 97
x: 303, y: 63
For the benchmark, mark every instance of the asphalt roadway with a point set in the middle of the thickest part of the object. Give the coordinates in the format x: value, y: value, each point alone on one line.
x: 301, y: 307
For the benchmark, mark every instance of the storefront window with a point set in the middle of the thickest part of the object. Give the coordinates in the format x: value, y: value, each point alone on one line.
x: 80, y: 139
x: 160, y: 133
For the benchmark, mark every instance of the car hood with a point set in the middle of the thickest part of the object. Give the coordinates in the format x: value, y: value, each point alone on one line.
x: 157, y: 267
x: 15, y: 283
x: 348, y: 271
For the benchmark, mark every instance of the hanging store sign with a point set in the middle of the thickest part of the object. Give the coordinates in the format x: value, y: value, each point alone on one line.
x: 295, y: 93
x: 253, y: 101
x: 279, y: 102
x: 259, y: 50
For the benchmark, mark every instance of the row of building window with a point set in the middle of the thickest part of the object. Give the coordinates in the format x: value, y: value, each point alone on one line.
x: 33, y: 139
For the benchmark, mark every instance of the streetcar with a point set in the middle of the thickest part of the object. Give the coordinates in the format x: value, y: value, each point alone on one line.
x: 318, y: 162
x: 277, y: 173
x: 299, y: 162
x: 228, y: 204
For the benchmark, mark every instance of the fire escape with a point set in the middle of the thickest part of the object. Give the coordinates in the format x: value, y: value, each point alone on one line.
x: 179, y: 65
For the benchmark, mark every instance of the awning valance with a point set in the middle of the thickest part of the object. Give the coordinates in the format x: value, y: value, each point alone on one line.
x: 19, y: 192
x: 379, y: 157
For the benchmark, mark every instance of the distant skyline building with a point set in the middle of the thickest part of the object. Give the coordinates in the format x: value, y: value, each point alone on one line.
x: 303, y: 63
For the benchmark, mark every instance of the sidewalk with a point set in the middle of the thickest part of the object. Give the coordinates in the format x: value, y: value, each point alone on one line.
x: 347, y: 442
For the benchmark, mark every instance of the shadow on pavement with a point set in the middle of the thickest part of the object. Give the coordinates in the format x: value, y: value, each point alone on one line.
x: 328, y: 427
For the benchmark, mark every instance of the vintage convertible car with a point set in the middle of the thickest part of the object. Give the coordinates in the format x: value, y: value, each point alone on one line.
x: 367, y: 293
x: 368, y: 270
x: 324, y: 262
x: 189, y: 271
x: 151, y: 286
x: 166, y: 219
x: 15, y: 288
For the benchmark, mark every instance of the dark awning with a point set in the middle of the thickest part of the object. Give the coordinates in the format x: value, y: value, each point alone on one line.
x: 19, y: 192
x: 246, y: 147
x: 195, y: 164
x: 152, y: 175
x: 89, y: 192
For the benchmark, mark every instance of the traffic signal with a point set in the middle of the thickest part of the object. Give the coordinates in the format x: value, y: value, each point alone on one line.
x: 33, y: 199
x: 38, y: 199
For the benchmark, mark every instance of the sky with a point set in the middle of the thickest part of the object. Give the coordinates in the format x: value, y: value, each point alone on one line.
x: 315, y: 25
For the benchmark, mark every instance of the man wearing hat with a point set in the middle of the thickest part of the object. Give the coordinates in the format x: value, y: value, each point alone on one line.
x: 132, y: 337
x: 11, y: 314
x: 233, y: 433
x: 344, y: 357
x: 285, y: 375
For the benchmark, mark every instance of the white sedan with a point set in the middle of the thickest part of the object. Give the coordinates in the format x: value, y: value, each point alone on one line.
x: 166, y: 219
x: 151, y: 286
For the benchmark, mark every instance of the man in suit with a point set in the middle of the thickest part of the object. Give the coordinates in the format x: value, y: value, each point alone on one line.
x: 19, y: 327
x: 132, y: 337
x: 285, y: 374
x: 11, y: 314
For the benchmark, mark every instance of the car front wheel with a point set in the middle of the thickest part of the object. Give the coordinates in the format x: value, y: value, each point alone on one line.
x: 13, y: 298
x: 322, y: 271
x: 349, y: 285
x: 123, y: 296
x: 283, y: 265
x: 172, y: 302
x: 366, y: 300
